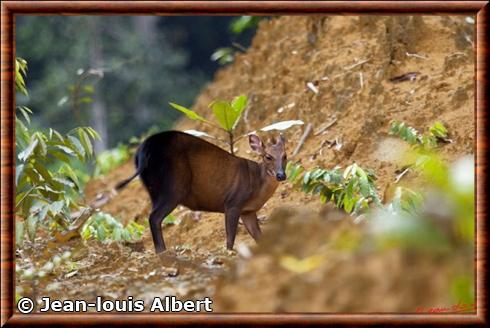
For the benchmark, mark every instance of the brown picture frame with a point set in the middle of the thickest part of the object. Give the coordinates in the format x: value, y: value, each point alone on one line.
x: 9, y: 9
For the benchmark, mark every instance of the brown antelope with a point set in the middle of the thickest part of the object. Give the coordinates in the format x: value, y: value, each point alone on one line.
x: 180, y: 169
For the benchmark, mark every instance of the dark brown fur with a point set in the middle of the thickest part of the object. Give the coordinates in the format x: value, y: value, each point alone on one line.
x: 179, y: 169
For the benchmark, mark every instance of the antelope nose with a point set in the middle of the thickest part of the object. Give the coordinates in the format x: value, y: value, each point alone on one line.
x: 281, y: 176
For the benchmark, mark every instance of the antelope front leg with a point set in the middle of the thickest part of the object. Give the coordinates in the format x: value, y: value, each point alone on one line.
x: 252, y: 224
x: 231, y: 223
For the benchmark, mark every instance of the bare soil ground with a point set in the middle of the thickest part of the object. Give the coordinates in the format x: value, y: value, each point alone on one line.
x: 350, y: 62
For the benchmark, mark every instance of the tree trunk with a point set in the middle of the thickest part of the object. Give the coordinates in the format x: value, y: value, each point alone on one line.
x: 146, y: 27
x: 98, y: 119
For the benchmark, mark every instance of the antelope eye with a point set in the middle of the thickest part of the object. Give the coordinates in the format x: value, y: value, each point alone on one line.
x: 269, y: 157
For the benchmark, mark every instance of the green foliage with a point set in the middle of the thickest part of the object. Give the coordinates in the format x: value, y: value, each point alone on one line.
x: 242, y: 23
x: 142, y: 60
x: 189, y: 113
x: 47, y: 187
x: 104, y: 227
x: 171, y: 220
x: 20, y: 72
x: 351, y: 190
x: 437, y: 133
x: 228, y: 115
x: 81, y: 93
x: 406, y: 200
x: 440, y: 215
x: 226, y: 55
x: 294, y: 172
x: 111, y: 159
x: 462, y: 289
x: 223, y: 56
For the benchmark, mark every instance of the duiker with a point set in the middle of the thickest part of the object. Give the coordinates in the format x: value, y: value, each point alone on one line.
x: 180, y: 169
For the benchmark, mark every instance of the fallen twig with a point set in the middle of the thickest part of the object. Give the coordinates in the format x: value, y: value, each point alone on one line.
x: 305, y: 135
x: 402, y: 174
x: 312, y: 87
x: 410, y: 76
x: 415, y: 55
x: 326, y: 126
x: 357, y: 64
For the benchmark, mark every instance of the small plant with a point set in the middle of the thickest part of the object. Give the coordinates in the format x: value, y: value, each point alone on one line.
x: 226, y: 55
x: 47, y: 186
x: 110, y: 159
x: 81, y: 92
x: 437, y: 133
x: 228, y: 115
x: 351, y: 190
x: 104, y: 227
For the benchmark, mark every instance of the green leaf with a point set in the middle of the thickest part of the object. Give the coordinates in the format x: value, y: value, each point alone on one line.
x: 223, y: 55
x: 101, y: 235
x: 20, y: 72
x: 239, y: 103
x: 68, y: 171
x: 78, y: 146
x: 242, y: 23
x: 42, y: 143
x: 60, y: 155
x: 170, y: 220
x: 56, y: 207
x: 32, y: 221
x: 27, y: 153
x: 19, y: 232
x: 88, y: 88
x: 189, y: 113
x: 42, y: 171
x: 116, y: 234
x: 19, y: 169
x: 306, y: 177
x: 438, y: 130
x: 25, y: 112
x: 125, y: 235
x: 57, y: 135
x: 64, y: 182
x: 85, y: 141
x: 66, y: 150
x: 225, y: 113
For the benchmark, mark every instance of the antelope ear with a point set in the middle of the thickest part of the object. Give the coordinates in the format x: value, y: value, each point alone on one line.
x: 255, y: 143
x: 282, y: 138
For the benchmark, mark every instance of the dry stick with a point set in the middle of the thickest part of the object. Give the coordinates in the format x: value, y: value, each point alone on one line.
x: 400, y: 176
x: 357, y: 64
x: 305, y: 135
x: 415, y: 55
x: 326, y: 126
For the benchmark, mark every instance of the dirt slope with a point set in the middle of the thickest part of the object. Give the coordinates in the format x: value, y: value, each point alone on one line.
x: 289, y: 52
x: 350, y: 62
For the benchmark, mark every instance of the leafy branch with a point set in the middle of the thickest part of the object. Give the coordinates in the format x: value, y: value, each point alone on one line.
x: 437, y: 133
x: 351, y: 190
x: 228, y: 115
x: 47, y: 186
